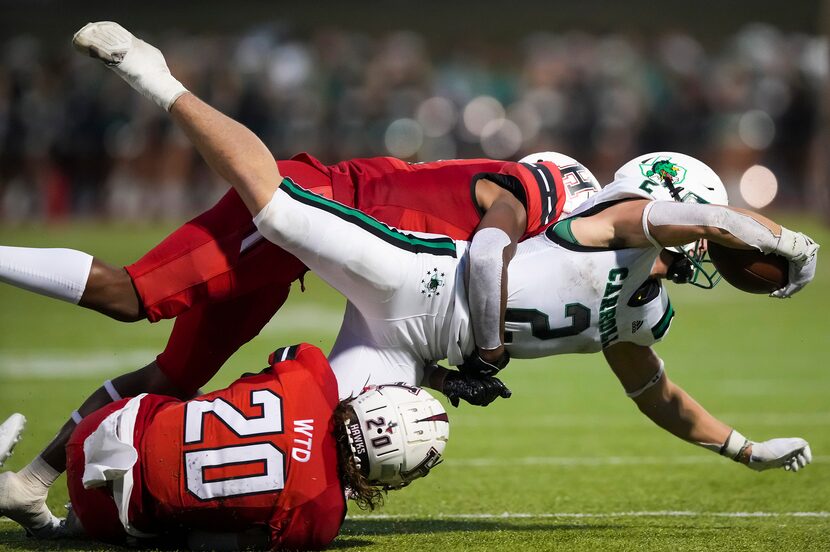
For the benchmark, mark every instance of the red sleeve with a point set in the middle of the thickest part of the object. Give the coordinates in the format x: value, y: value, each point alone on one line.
x: 544, y: 193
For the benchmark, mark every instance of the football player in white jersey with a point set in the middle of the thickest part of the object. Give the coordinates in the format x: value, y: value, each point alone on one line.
x: 407, y: 292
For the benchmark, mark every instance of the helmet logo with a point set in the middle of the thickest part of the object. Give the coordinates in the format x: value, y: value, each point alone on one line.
x: 662, y: 168
x: 577, y: 179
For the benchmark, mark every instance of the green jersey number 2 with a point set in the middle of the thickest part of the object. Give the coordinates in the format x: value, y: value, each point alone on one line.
x: 579, y: 314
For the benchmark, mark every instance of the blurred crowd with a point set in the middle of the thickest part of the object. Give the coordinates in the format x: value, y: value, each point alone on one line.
x: 77, y: 142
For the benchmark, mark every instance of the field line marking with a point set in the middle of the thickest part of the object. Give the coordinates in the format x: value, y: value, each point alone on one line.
x: 579, y: 515
x: 68, y: 364
x: 590, y: 515
x: 583, y: 461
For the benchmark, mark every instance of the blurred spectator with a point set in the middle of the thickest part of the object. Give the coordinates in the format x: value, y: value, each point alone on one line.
x: 75, y: 142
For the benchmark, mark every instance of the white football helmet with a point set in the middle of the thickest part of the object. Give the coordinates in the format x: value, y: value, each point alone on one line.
x: 399, y: 434
x: 672, y: 176
x: 580, y: 183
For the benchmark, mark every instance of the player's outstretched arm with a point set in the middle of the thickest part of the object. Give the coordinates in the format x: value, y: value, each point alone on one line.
x: 232, y: 151
x: 661, y: 224
x: 671, y: 223
x: 641, y: 373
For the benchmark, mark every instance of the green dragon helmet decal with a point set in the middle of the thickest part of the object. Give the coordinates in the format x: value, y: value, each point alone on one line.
x: 671, y: 176
x: 662, y: 170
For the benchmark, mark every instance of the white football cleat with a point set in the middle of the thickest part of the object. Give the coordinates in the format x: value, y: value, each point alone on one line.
x: 140, y: 64
x: 21, y: 503
x: 10, y: 433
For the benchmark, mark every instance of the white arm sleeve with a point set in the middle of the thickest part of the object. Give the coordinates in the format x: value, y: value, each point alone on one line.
x: 790, y: 245
x: 484, y: 293
x: 646, y: 231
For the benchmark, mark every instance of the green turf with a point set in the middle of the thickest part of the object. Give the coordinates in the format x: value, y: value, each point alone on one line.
x: 568, y: 463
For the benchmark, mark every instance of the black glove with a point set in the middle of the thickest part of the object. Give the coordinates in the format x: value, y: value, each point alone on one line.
x: 476, y: 367
x: 476, y: 391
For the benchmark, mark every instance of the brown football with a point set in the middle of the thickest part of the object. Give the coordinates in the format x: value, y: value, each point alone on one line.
x: 750, y: 270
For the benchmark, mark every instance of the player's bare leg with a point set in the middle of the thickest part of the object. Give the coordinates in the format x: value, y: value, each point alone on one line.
x: 72, y: 276
x: 232, y: 151
x: 110, y: 291
x: 23, y: 494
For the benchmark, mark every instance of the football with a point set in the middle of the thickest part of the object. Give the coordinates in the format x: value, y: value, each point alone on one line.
x: 750, y: 270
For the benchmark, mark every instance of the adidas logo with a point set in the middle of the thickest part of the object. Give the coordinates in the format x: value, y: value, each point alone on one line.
x: 636, y: 325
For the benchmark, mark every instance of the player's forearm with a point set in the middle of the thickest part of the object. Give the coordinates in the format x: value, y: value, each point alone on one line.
x: 491, y: 250
x: 672, y: 224
x: 674, y: 410
x: 232, y: 150
x: 671, y: 408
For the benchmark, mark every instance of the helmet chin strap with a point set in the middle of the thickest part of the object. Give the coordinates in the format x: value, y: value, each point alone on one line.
x: 674, y: 192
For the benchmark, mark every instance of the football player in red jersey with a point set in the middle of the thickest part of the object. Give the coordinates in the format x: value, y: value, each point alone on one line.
x: 267, y: 461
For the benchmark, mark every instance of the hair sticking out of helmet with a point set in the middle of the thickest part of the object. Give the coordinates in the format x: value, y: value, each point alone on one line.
x: 672, y: 176
x: 397, y: 435
x: 579, y: 182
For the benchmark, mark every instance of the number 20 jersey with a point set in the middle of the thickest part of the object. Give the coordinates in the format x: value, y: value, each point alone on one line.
x: 260, y: 452
x: 566, y: 298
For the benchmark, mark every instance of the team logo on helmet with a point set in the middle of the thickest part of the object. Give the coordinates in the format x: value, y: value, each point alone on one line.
x: 662, y: 168
x: 432, y: 283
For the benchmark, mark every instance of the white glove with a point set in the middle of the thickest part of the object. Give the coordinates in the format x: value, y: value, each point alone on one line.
x: 802, y: 253
x: 140, y: 64
x: 791, y: 453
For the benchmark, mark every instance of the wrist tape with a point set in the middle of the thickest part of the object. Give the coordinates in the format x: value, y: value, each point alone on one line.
x: 734, y: 446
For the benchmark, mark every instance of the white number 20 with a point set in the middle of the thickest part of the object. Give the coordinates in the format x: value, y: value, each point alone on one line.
x: 265, y: 459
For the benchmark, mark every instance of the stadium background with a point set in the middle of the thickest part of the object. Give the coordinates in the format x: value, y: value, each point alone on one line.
x: 86, y: 163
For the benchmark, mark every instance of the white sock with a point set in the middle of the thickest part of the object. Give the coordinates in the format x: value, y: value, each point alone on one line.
x: 23, y: 498
x: 57, y: 273
x: 39, y: 475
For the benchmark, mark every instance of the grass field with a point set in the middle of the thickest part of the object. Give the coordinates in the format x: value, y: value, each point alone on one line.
x: 568, y: 463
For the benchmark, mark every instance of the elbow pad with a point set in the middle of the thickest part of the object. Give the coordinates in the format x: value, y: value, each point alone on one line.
x: 484, y: 292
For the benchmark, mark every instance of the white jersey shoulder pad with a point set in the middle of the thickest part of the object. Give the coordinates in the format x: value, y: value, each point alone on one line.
x: 615, y: 191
